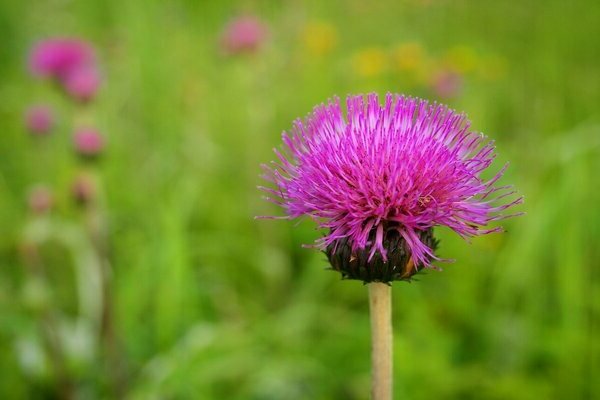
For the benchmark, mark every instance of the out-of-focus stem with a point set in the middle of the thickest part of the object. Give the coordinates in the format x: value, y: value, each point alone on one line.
x: 96, y: 227
x: 380, y: 305
x: 48, y: 328
x: 55, y: 351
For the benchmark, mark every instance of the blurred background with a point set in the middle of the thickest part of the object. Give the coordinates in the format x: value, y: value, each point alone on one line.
x: 131, y: 265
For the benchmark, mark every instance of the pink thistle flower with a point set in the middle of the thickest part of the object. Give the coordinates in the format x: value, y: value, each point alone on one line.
x: 82, y: 83
x: 84, y: 189
x: 243, y: 34
x: 88, y: 142
x: 39, y: 119
x: 447, y: 84
x: 58, y: 57
x: 381, y: 177
x: 40, y: 199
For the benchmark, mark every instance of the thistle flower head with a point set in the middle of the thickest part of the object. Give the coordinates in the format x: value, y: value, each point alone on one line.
x: 88, y: 142
x: 59, y: 57
x: 243, y: 34
x: 84, y: 189
x: 40, y: 199
x: 379, y: 178
x: 39, y: 119
x: 70, y: 62
x: 447, y: 84
x: 82, y: 83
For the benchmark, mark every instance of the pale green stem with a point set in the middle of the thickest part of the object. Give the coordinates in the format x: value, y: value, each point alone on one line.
x: 380, y: 304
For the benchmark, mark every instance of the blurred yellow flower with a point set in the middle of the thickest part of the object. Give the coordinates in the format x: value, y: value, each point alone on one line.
x: 462, y: 59
x: 424, y: 74
x: 408, y: 56
x: 319, y: 38
x: 369, y: 62
x: 493, y: 68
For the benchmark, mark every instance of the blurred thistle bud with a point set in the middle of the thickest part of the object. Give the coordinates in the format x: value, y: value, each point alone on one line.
x: 447, y: 84
x: 40, y: 199
x: 88, y: 142
x: 84, y: 189
x: 39, y: 119
x: 244, y: 34
x: 70, y: 62
x: 82, y: 83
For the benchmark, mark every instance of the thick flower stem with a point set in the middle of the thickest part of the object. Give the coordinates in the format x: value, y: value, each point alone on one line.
x: 380, y: 304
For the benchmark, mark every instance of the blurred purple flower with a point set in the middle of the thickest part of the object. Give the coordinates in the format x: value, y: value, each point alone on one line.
x: 88, y: 142
x: 39, y: 119
x: 70, y: 62
x: 243, y: 34
x: 447, y: 84
x: 59, y: 57
x: 40, y: 199
x: 396, y: 169
x: 82, y: 83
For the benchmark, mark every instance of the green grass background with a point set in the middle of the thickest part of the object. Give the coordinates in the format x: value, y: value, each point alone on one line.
x: 212, y: 304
